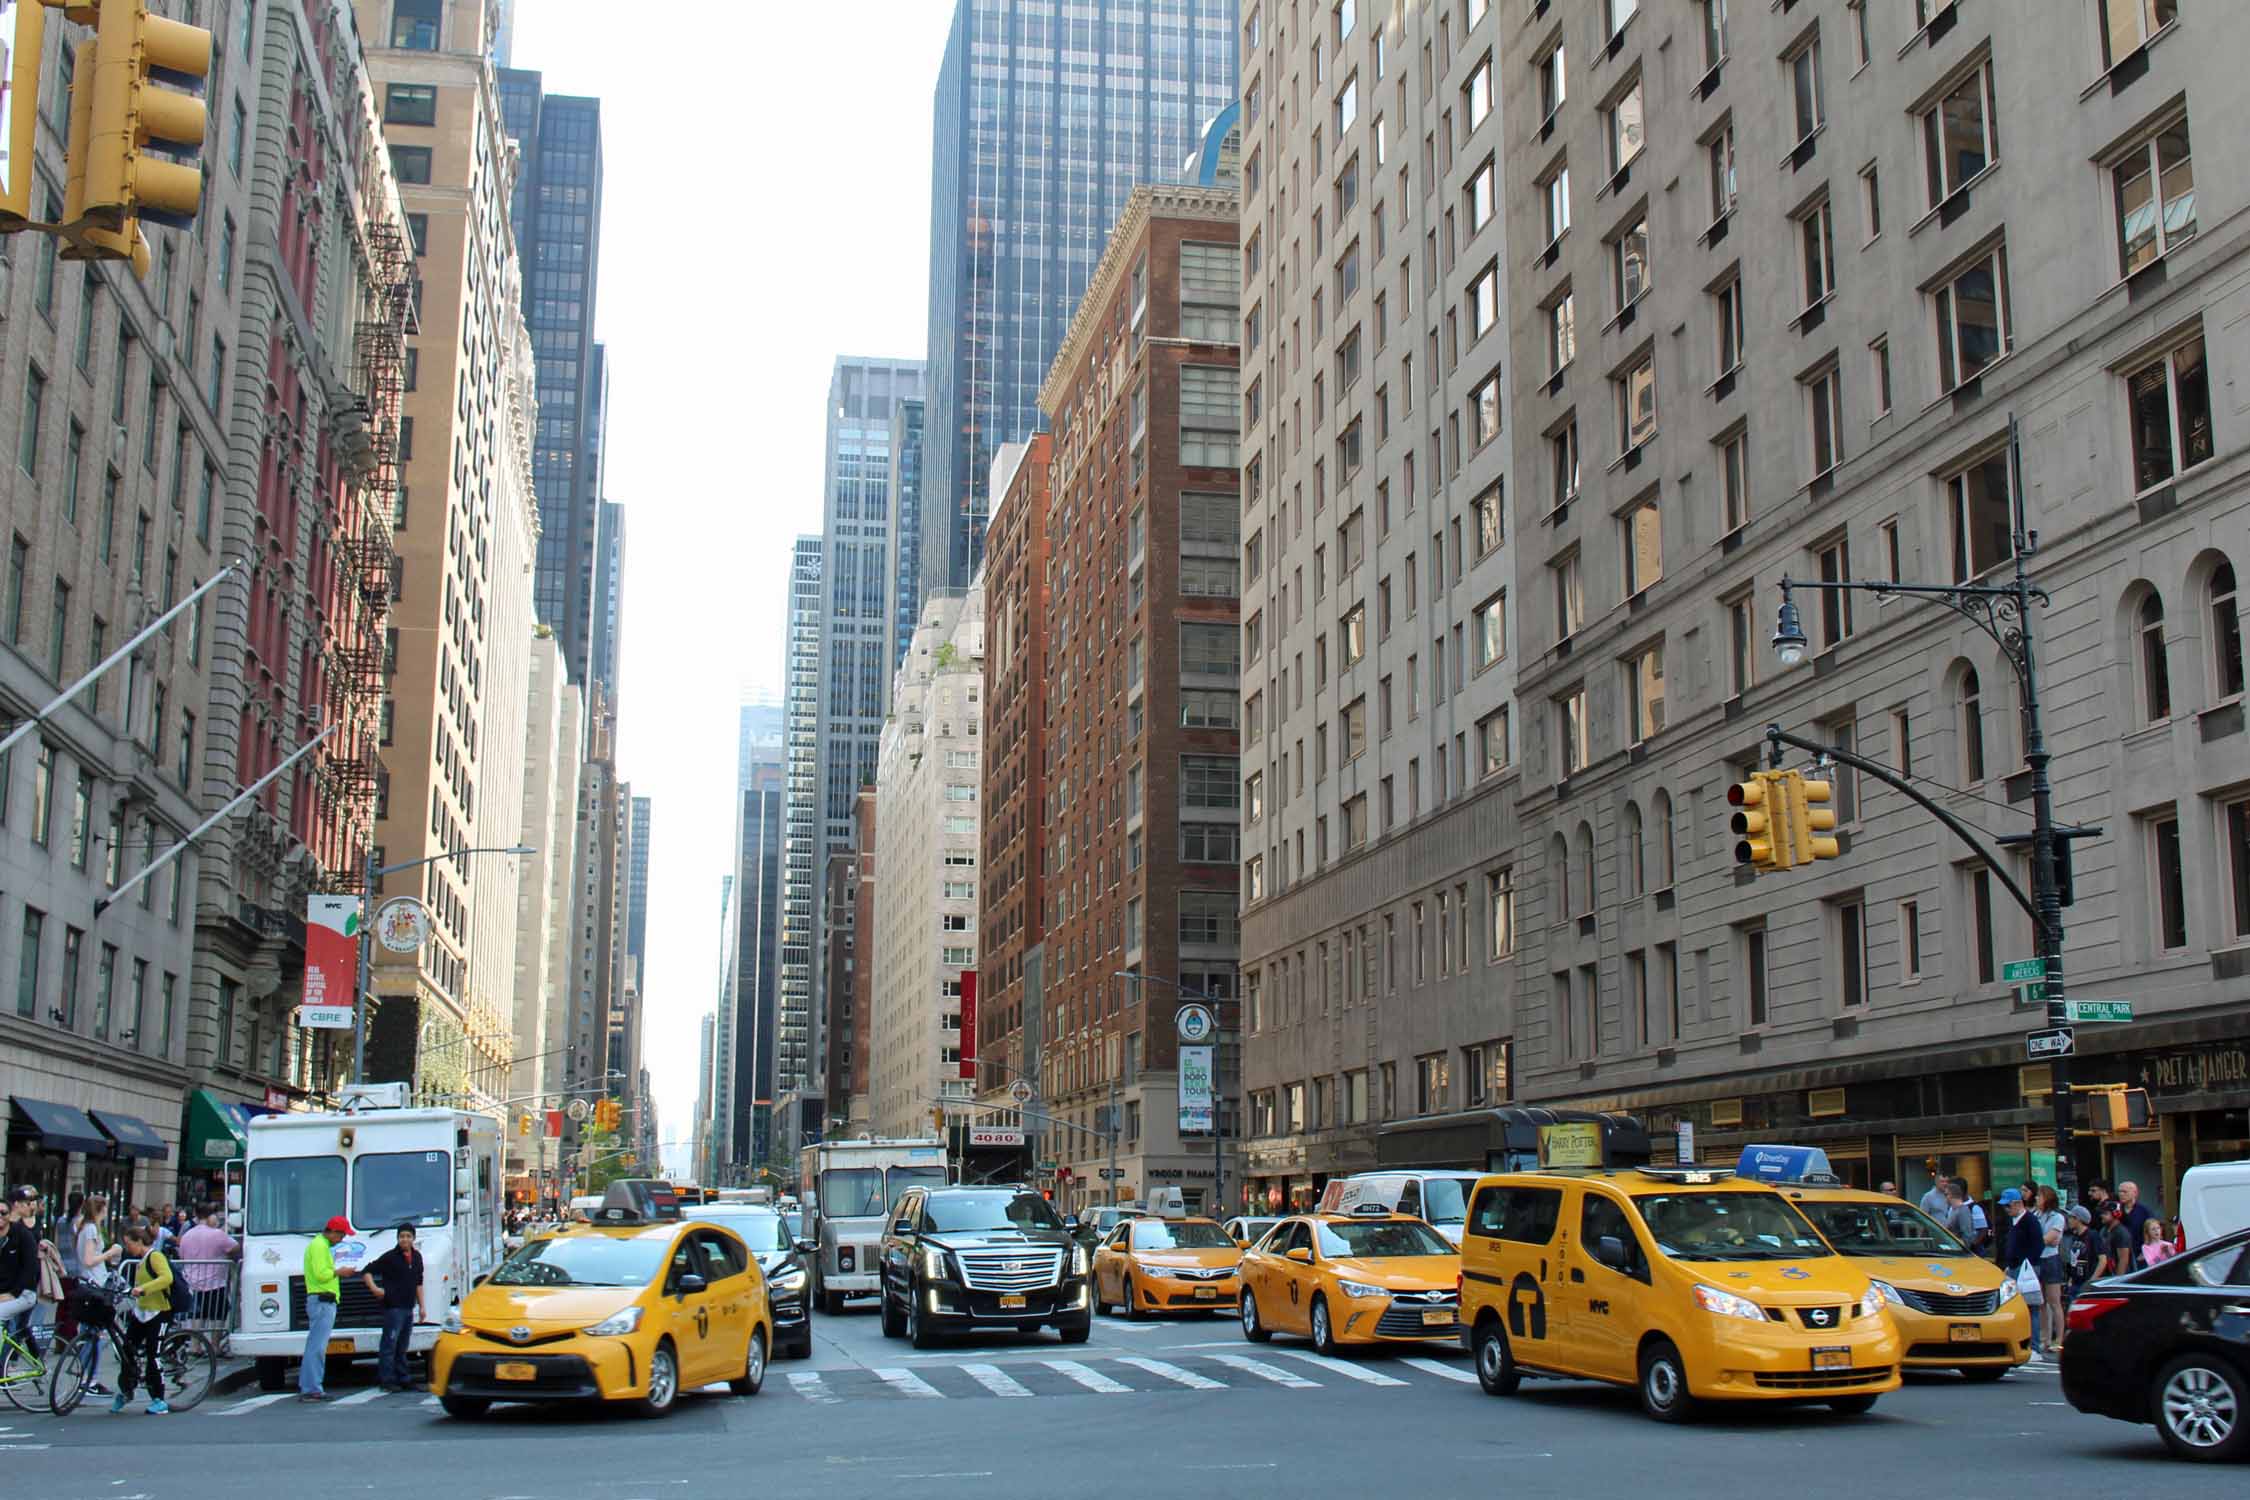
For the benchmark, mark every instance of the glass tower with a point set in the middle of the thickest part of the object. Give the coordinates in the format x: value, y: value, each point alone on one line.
x: 1048, y: 113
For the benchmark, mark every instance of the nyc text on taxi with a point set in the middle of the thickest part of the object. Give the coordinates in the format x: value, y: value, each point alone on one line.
x: 1157, y: 1265
x: 634, y: 1306
x: 1687, y: 1284
x: 1359, y: 1278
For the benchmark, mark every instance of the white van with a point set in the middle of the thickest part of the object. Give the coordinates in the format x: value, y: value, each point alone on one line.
x: 2214, y: 1200
x: 1437, y: 1196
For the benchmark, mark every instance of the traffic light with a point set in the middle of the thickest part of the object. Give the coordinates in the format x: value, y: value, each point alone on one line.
x: 2113, y: 1107
x: 607, y: 1113
x: 145, y: 145
x: 85, y: 241
x: 25, y: 51
x: 1811, y: 824
x: 1760, y: 823
x: 523, y: 1125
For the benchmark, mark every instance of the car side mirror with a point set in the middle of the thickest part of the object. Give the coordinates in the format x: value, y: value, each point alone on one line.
x: 1300, y: 1255
x: 1070, y: 1222
x: 691, y: 1283
x: 807, y: 1247
x: 481, y: 1279
x: 1610, y: 1251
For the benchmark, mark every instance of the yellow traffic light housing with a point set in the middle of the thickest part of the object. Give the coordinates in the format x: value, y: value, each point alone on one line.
x: 86, y: 242
x: 1760, y: 822
x: 144, y: 147
x: 2112, y: 1108
x: 1811, y: 824
x: 25, y: 51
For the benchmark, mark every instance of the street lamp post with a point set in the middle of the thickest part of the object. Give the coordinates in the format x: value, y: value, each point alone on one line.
x: 366, y: 940
x: 2002, y: 611
x: 1218, y: 1099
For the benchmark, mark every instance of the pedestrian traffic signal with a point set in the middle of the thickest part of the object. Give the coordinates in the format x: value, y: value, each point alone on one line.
x: 1760, y: 823
x: 2113, y: 1107
x: 1811, y: 824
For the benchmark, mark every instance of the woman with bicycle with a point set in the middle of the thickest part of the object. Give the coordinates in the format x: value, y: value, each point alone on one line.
x: 19, y: 1261
x: 148, y: 1313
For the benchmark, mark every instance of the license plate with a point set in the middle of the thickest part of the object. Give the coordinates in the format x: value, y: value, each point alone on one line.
x: 1437, y: 1316
x: 1011, y: 1299
x: 1832, y: 1359
x: 516, y: 1370
x: 1966, y: 1333
x: 340, y: 1346
x: 1206, y: 1294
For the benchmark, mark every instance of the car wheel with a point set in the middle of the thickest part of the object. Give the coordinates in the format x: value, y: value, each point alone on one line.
x: 1323, y: 1332
x: 663, y: 1382
x: 1983, y: 1374
x: 894, y: 1323
x: 1663, y: 1383
x: 2202, y: 1408
x: 1253, y: 1330
x: 273, y: 1374
x: 753, y: 1366
x: 919, y: 1333
x: 832, y: 1303
x: 1496, y: 1361
x: 467, y: 1408
x: 801, y: 1349
x: 1134, y: 1313
x: 1851, y: 1406
x: 1078, y: 1332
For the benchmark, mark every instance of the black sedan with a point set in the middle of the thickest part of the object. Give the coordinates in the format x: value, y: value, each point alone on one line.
x: 2170, y: 1345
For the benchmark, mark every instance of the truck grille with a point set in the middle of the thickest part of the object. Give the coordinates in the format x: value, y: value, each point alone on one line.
x: 356, y: 1306
x: 1009, y: 1270
x: 1973, y: 1305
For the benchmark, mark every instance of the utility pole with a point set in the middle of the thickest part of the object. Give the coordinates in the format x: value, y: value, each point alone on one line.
x: 1112, y: 1128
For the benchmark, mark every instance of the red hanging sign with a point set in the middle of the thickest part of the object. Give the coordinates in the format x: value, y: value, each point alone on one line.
x: 968, y: 1023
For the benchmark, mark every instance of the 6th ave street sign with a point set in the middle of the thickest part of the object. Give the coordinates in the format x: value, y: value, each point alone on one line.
x: 2059, y: 1042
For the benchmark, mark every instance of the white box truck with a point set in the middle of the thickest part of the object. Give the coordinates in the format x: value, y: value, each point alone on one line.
x: 847, y: 1186
x: 380, y: 1165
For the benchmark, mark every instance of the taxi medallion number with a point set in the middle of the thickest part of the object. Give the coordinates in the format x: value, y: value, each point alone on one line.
x: 1834, y: 1358
x: 1435, y: 1316
x: 1011, y: 1299
x: 1966, y: 1333
x: 516, y: 1370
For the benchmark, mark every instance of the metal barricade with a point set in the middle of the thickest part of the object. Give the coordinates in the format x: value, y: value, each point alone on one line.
x: 210, y: 1294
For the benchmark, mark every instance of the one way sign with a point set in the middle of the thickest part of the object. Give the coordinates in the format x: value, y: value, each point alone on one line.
x: 2059, y: 1042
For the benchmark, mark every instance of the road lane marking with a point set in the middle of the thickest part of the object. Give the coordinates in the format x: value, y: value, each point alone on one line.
x: 1265, y: 1371
x: 1344, y: 1367
x: 994, y: 1380
x: 907, y: 1383
x: 361, y: 1398
x: 1187, y: 1378
x: 1466, y: 1377
x: 809, y: 1385
x: 1092, y: 1379
x: 250, y: 1404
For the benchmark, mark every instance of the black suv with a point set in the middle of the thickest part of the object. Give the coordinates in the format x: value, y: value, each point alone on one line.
x: 781, y: 1260
x: 982, y: 1257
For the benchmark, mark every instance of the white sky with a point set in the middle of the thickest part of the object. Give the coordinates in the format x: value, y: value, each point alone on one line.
x: 766, y: 209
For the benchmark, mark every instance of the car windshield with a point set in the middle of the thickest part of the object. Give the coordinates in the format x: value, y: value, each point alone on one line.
x: 760, y: 1228
x: 295, y: 1194
x: 962, y: 1212
x: 1445, y: 1200
x: 1881, y: 1229
x: 1155, y: 1234
x: 402, y: 1187
x: 1379, y: 1239
x: 1728, y: 1226
x: 852, y: 1193
x: 583, y: 1260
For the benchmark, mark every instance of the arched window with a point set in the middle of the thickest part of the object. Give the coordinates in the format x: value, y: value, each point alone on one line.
x: 1558, y: 856
x: 1586, y: 859
x: 1667, y: 870
x: 1635, y: 852
x: 2156, y: 670
x: 1972, y: 727
x: 2226, y: 633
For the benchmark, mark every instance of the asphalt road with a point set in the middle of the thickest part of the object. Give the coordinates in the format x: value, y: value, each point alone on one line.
x: 1152, y: 1409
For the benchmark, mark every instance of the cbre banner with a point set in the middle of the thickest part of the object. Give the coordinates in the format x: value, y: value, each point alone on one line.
x: 968, y: 1023
x: 331, y: 962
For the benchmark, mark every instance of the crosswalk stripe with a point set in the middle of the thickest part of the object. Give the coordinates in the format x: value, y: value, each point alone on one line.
x: 1436, y: 1368
x: 995, y: 1380
x: 250, y: 1404
x: 1265, y: 1371
x: 431, y: 1403
x: 907, y: 1383
x: 361, y: 1398
x: 1092, y: 1379
x: 1345, y: 1367
x: 1187, y: 1378
x: 808, y: 1384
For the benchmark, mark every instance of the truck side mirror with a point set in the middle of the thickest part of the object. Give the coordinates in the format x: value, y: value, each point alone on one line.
x: 1070, y: 1222
x: 807, y: 1247
x: 234, y: 1197
x: 903, y: 1226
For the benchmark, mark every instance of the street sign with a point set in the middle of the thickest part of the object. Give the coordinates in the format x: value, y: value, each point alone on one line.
x: 2056, y: 1043
x: 1111, y: 1174
x: 995, y: 1135
x: 2016, y: 970
x: 2100, y: 1010
x: 2033, y: 993
x: 1195, y: 1022
x: 1020, y: 1091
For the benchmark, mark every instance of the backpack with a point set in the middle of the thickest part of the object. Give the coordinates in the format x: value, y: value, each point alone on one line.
x: 182, y: 1297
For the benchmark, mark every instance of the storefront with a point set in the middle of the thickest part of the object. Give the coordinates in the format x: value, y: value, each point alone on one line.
x: 42, y: 1137
x: 214, y: 1132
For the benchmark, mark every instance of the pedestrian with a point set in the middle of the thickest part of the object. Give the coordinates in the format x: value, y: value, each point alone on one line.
x: 2019, y: 1257
x: 19, y: 1262
x: 2117, y: 1242
x: 2051, y: 1274
x: 2097, y: 1197
x: 1980, y: 1224
x: 395, y: 1276
x: 1933, y: 1201
x: 95, y: 1254
x: 2079, y: 1251
x: 147, y: 1314
x: 321, y: 1291
x: 204, y: 1252
x: 2156, y: 1245
x: 1889, y: 1189
x: 2137, y: 1215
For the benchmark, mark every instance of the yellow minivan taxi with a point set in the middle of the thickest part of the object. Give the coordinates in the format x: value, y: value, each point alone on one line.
x: 1953, y: 1309
x: 1687, y: 1284
x: 635, y: 1312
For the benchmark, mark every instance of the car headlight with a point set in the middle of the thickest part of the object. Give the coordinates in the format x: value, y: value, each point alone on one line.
x: 1361, y: 1289
x: 1878, y: 1293
x: 270, y: 1308
x: 1078, y: 1260
x: 933, y: 1263
x: 617, y: 1323
x: 1727, y: 1305
x: 792, y: 1280
x: 2009, y: 1291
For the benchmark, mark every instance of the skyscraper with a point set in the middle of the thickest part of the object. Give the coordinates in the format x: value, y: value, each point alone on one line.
x: 1044, y: 122
x: 785, y: 1011
x: 636, y: 929
x: 906, y: 528
x: 556, y: 213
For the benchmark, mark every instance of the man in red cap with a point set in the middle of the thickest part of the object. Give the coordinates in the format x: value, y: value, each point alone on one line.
x: 321, y: 1290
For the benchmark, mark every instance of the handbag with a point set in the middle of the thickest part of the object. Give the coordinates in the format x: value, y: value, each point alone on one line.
x: 2027, y: 1281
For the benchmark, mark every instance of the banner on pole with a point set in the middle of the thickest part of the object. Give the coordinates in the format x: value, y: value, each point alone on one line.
x: 331, y: 962
x: 968, y: 1023
x: 1195, y: 1090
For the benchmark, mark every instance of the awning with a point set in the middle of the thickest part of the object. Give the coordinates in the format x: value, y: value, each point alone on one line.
x: 58, y: 1126
x: 216, y: 1132
x: 134, y: 1136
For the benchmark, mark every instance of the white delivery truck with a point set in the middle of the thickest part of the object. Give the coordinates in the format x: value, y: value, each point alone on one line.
x: 847, y: 1187
x: 380, y: 1165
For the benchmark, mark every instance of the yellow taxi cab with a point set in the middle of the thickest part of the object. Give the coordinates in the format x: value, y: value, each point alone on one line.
x: 1368, y: 1277
x: 633, y: 1306
x: 1151, y: 1265
x: 1688, y: 1284
x: 1954, y: 1310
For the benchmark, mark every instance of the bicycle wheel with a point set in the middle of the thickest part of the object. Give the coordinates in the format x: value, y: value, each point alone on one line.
x: 190, y: 1362
x: 73, y: 1372
x: 23, y: 1377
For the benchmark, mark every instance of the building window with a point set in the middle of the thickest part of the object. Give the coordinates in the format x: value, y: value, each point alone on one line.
x: 1972, y: 318
x: 1210, y: 416
x: 1871, y: 200
x: 1562, y: 452
x: 2238, y: 863
x: 1982, y: 516
x: 2155, y: 189
x: 2128, y: 25
x: 1629, y: 264
x: 1972, y: 726
x: 1643, y: 528
x: 1555, y: 191
x: 1644, y: 681
x: 1816, y: 242
x: 1751, y: 945
x: 411, y: 164
x: 1851, y: 952
x: 1742, y: 644
x: 1577, y: 731
x: 1476, y: 94
x: 1726, y: 302
x: 1562, y: 332
x: 1554, y: 84
x: 1804, y: 88
x: 1210, y: 781
x: 1622, y: 123
x: 2155, y: 669
x: 1484, y: 301
x: 1636, y: 403
x: 1909, y: 941
x: 1719, y: 151
x: 1824, y: 400
x: 1879, y: 370
x: 1480, y: 194
x: 1430, y: 1083
x: 2168, y: 404
x: 1957, y: 134
x: 1835, y: 563
x: 1492, y: 630
x: 1980, y: 924
x: 410, y: 104
x: 2226, y: 633
x: 1210, y: 843
x: 1492, y: 741
x: 1570, y: 595
x: 1500, y: 903
x: 2168, y: 882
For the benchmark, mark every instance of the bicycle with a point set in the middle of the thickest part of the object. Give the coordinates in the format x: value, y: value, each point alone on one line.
x: 186, y: 1357
x: 23, y: 1370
